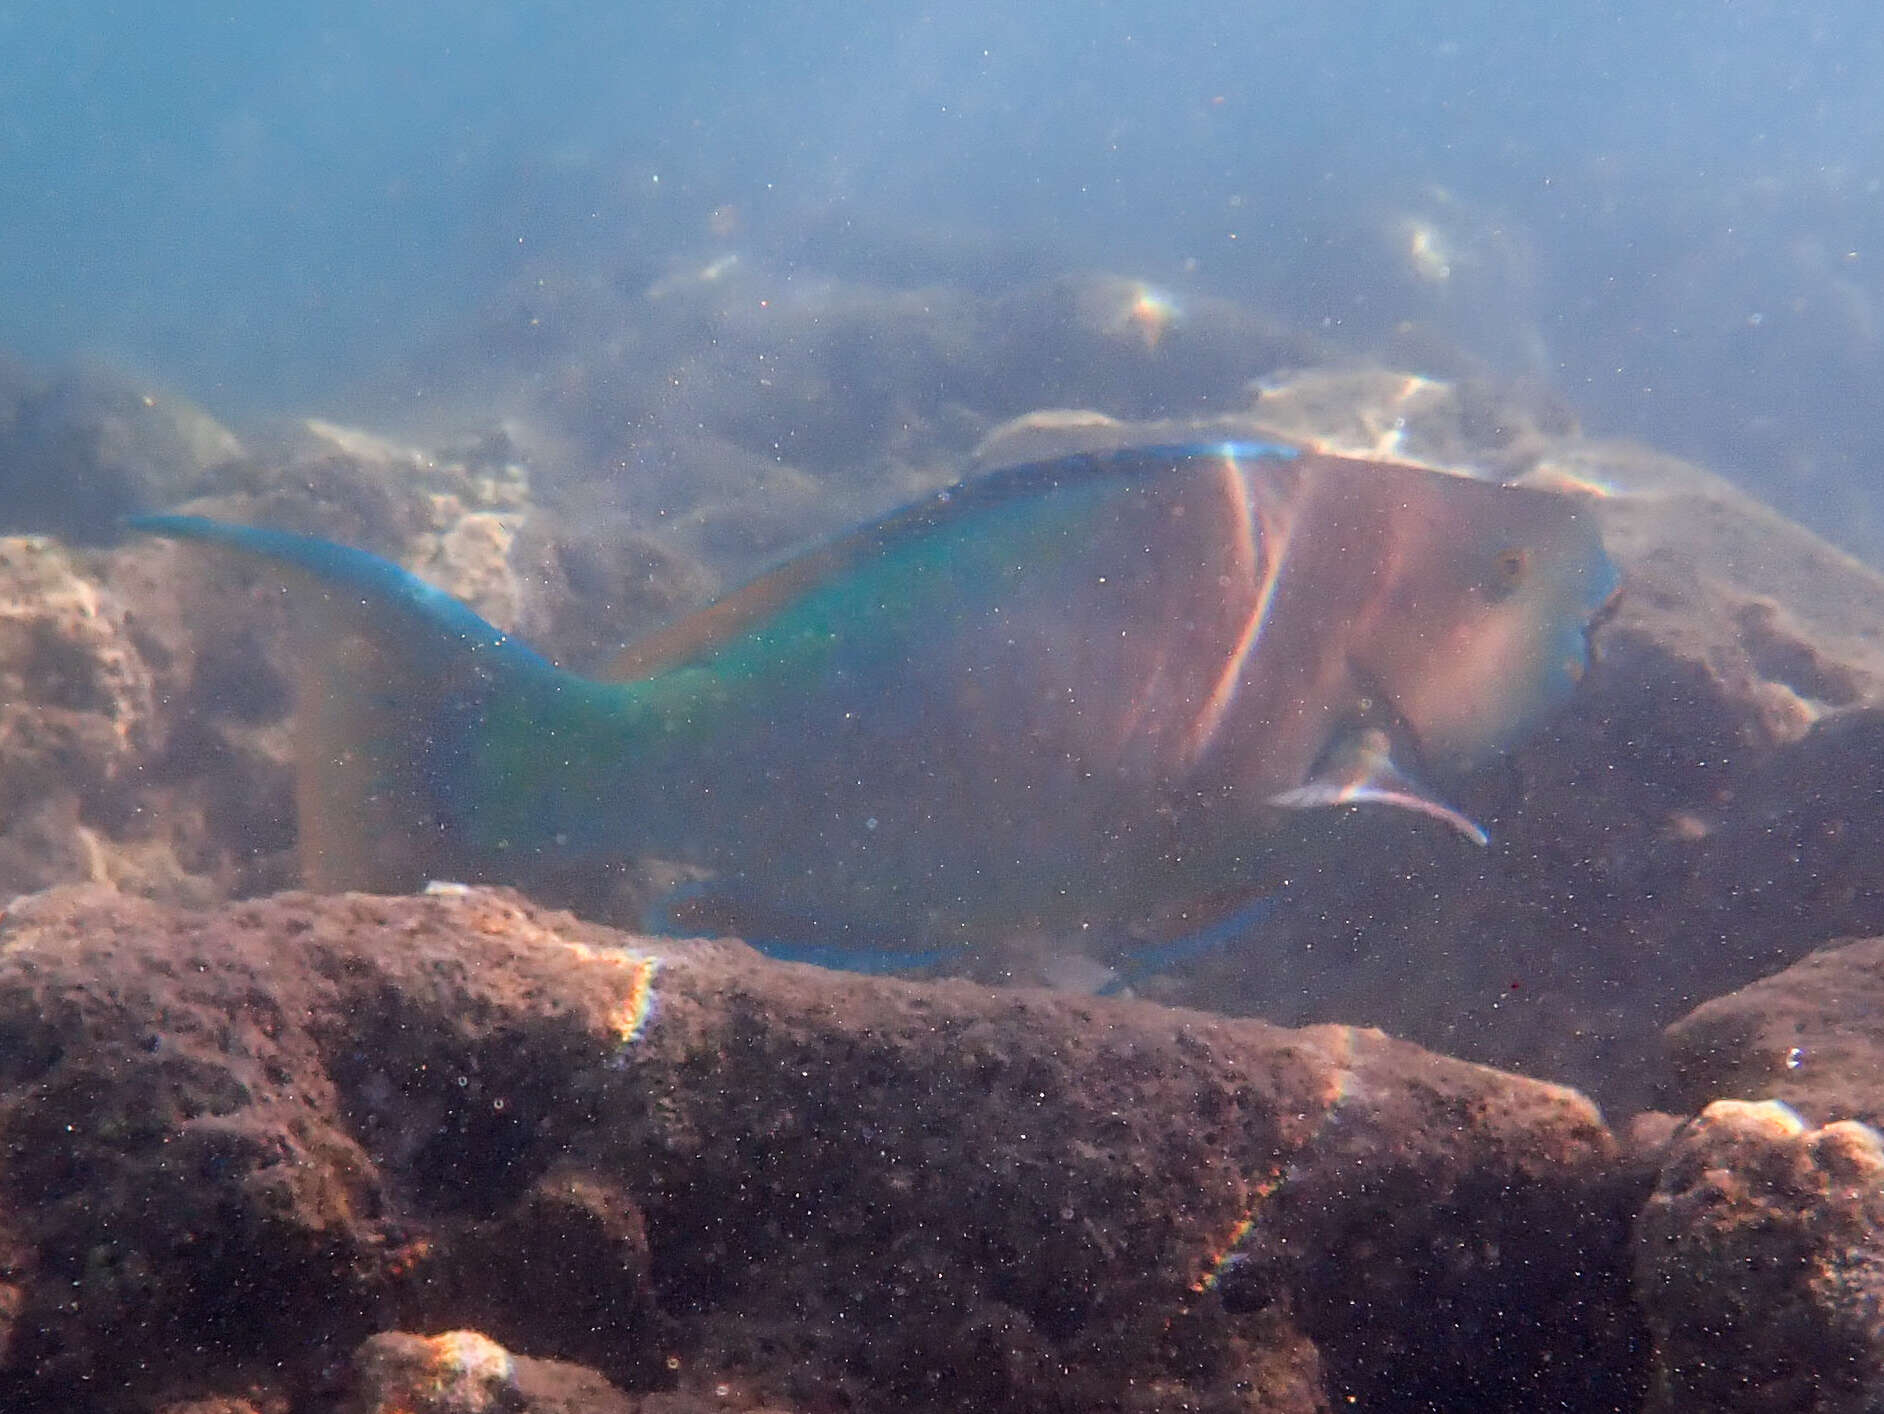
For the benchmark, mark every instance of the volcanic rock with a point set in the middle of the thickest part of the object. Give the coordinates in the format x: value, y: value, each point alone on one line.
x: 1760, y: 1265
x: 84, y: 448
x: 256, y: 1136
x: 462, y: 1372
x: 1811, y: 1036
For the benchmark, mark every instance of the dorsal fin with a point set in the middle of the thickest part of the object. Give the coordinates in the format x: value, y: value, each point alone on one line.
x: 699, y: 633
x: 690, y: 637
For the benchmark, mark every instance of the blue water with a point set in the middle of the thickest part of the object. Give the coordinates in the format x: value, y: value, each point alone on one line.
x: 1670, y: 214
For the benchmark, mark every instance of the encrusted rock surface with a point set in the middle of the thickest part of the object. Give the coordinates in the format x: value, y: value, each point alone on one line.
x: 578, y: 583
x: 1811, y: 1036
x: 79, y: 449
x: 239, y: 1142
x: 144, y: 690
x: 464, y: 1372
x: 1760, y: 1265
x: 78, y: 715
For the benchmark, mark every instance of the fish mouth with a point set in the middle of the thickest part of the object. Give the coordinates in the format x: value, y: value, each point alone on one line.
x: 1605, y: 612
x: 1381, y: 713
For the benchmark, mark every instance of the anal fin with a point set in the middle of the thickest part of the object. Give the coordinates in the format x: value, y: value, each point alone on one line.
x: 1149, y: 961
x: 701, y: 908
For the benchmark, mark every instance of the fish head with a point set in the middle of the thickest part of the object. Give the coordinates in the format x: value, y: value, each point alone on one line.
x: 1478, y: 624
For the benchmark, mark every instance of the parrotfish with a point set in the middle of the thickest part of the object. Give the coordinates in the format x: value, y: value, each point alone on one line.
x: 1092, y: 688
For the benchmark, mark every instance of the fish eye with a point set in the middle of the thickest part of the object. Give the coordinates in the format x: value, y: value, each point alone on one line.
x: 1509, y: 568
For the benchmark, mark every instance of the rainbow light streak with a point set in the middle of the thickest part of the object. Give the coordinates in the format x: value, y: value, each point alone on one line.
x: 1149, y: 313
x: 1358, y: 794
x: 1552, y: 478
x: 1217, y: 1260
x: 1339, y: 1089
x: 628, y: 1019
x: 631, y: 1018
x: 1255, y: 549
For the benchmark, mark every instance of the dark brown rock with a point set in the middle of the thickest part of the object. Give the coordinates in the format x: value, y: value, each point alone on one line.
x: 1812, y: 1036
x: 84, y: 448
x: 1760, y: 1265
x: 266, y: 1132
x: 465, y: 1372
x: 577, y: 1244
x: 255, y: 1399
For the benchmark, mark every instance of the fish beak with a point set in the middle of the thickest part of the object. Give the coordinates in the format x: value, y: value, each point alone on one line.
x: 1605, y: 611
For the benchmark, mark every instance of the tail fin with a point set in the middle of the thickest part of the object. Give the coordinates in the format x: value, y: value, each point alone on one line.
x: 391, y: 673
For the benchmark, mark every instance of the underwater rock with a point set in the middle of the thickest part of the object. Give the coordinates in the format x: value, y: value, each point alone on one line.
x: 78, y: 714
x: 192, y: 802
x: 75, y: 701
x: 1811, y: 1036
x: 1497, y: 430
x: 458, y: 1372
x: 83, y: 449
x: 592, y: 586
x: 450, y: 514
x: 1760, y: 1265
x: 579, y: 582
x: 463, y: 1372
x: 132, y: 750
x: 671, y: 396
x: 260, y: 1135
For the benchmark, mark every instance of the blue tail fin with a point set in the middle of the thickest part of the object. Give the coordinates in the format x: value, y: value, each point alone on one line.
x: 1149, y: 961
x: 390, y: 672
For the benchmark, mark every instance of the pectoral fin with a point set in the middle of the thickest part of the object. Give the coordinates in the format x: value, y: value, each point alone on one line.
x: 1361, y: 771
